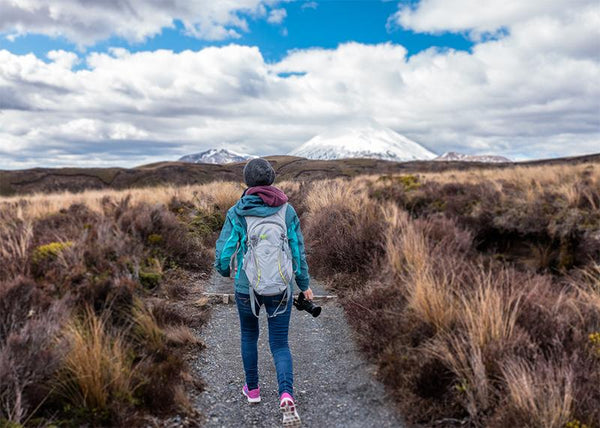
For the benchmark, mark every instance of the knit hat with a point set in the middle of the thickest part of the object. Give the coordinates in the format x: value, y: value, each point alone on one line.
x: 259, y: 172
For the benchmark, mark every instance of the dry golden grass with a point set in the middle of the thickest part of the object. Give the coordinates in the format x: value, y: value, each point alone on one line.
x: 205, y: 196
x: 290, y: 186
x: 468, y: 316
x: 532, y: 181
x: 119, y: 362
x: 97, y: 369
x: 430, y: 297
x: 465, y: 359
x: 145, y: 328
x: 409, y: 256
x: 488, y: 314
x: 491, y: 334
x: 588, y: 286
x: 335, y: 193
x: 536, y: 177
x: 15, y: 239
x: 180, y: 335
x: 541, y: 392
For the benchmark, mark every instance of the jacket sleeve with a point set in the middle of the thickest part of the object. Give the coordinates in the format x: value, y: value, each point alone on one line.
x: 296, y: 241
x: 226, y: 244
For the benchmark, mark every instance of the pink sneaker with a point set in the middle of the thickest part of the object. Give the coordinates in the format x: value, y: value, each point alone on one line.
x: 288, y: 408
x: 253, y: 396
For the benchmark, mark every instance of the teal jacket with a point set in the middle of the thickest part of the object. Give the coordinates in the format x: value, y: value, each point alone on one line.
x: 232, y: 240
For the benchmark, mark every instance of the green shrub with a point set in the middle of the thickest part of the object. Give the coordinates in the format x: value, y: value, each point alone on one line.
x: 49, y: 251
x: 150, y: 279
x: 155, y: 239
x: 206, y: 224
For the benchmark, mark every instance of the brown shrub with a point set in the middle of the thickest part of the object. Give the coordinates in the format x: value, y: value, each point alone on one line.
x: 161, y: 381
x: 344, y: 231
x: 29, y: 355
x: 144, y: 221
x: 457, y: 332
x: 510, y: 217
x: 115, y: 359
x: 16, y: 234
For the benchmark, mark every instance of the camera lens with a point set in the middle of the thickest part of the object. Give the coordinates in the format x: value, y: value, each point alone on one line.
x: 316, y: 311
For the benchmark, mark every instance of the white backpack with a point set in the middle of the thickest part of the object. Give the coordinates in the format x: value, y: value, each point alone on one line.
x: 268, y: 260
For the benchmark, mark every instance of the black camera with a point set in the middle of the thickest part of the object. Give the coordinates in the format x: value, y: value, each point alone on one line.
x: 302, y: 304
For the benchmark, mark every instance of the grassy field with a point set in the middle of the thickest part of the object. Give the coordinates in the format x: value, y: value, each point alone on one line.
x: 183, y: 174
x: 476, y: 293
x: 96, y: 302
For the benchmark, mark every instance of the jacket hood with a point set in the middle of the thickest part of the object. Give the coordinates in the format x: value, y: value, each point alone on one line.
x: 253, y: 205
x: 270, y: 195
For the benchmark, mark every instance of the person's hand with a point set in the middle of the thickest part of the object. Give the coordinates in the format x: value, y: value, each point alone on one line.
x: 308, y: 294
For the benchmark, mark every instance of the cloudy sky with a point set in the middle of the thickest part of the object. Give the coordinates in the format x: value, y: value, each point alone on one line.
x: 127, y: 82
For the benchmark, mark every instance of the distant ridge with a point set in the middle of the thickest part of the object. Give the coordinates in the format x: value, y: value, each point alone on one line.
x: 216, y: 156
x: 367, y: 140
x: 15, y: 182
x: 461, y: 157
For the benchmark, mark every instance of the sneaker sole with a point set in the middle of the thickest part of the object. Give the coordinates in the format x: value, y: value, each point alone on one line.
x: 290, y: 415
x: 251, y: 400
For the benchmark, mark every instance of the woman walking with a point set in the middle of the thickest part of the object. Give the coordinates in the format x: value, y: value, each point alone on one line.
x: 264, y: 208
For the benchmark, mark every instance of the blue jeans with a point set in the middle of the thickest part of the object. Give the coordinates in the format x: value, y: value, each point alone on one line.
x: 278, y: 340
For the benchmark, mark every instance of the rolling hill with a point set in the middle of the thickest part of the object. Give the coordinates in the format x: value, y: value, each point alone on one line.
x: 179, y: 173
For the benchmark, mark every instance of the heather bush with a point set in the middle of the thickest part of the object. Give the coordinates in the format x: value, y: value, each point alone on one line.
x: 510, y: 217
x: 79, y: 338
x: 29, y: 351
x: 16, y: 234
x: 344, y: 231
x: 480, y: 305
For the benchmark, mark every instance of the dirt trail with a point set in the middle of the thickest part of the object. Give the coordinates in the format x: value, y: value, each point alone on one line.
x: 334, y: 386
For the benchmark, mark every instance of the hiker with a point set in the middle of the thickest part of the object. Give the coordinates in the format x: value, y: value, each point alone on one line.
x: 262, y: 247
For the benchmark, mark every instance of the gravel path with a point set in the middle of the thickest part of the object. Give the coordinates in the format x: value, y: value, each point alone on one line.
x: 333, y: 384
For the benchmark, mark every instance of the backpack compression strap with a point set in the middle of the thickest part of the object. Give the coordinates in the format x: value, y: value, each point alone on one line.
x: 278, y: 311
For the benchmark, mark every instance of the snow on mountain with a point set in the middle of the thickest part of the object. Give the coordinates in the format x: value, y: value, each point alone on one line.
x: 216, y: 156
x: 370, y: 140
x: 454, y: 156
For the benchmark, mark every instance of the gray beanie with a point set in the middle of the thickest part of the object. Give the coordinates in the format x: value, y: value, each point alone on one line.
x: 259, y: 172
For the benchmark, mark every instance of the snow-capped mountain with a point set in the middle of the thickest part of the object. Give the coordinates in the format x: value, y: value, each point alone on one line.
x: 370, y: 140
x: 454, y: 156
x: 216, y: 156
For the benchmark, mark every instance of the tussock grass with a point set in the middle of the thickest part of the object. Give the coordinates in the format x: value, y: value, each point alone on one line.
x: 16, y: 234
x: 145, y: 329
x: 540, y: 393
x: 102, y: 256
x: 477, y: 292
x: 220, y: 194
x: 489, y: 315
x: 587, y: 283
x: 482, y: 300
x: 97, y: 372
x: 345, y: 230
x: 535, y: 177
x: 181, y: 335
x: 465, y: 359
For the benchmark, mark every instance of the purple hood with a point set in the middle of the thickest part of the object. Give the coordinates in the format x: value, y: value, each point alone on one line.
x: 271, y: 195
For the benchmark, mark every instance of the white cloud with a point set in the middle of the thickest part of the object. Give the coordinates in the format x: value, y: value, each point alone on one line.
x: 276, y: 16
x: 533, y: 93
x: 479, y: 16
x: 85, y: 22
x: 63, y: 59
x: 309, y: 5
